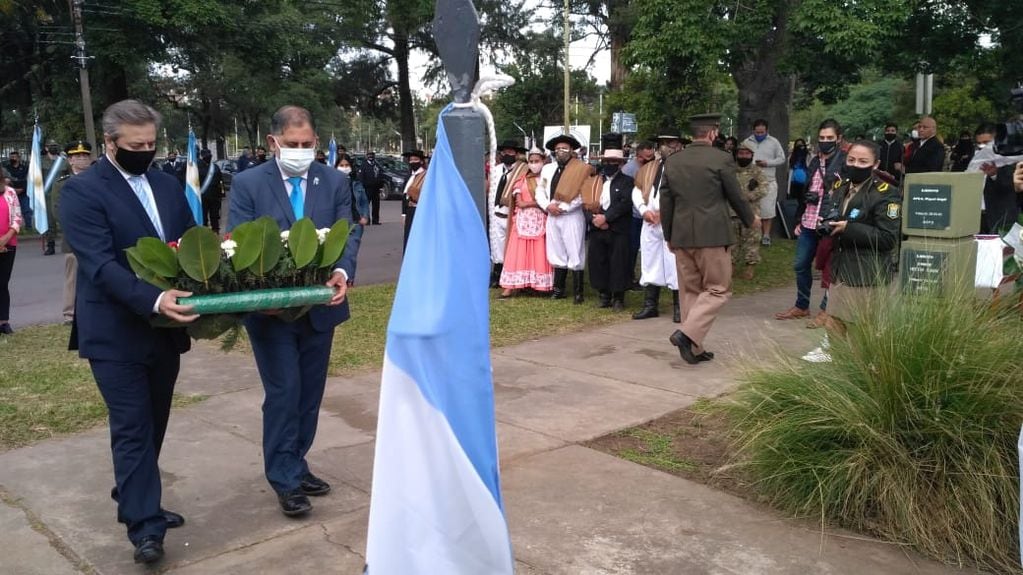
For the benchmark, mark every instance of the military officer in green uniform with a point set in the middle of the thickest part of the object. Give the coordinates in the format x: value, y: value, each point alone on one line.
x: 865, y: 233
x: 753, y: 184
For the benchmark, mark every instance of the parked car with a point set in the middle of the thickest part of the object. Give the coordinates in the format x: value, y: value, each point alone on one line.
x: 396, y: 173
x: 228, y: 168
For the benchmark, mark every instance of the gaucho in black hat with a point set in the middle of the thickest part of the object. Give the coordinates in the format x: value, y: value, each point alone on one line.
x: 417, y: 167
x: 560, y: 193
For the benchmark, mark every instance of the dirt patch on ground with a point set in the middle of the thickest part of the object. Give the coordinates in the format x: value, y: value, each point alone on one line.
x: 691, y: 443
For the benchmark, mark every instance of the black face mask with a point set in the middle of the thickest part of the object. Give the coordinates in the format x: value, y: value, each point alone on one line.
x: 826, y: 147
x: 857, y: 174
x: 889, y: 137
x: 743, y: 162
x: 508, y: 159
x: 609, y: 170
x: 135, y: 163
x: 415, y: 165
x: 261, y: 156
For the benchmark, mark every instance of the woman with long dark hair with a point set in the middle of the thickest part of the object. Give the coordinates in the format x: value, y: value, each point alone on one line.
x: 10, y: 225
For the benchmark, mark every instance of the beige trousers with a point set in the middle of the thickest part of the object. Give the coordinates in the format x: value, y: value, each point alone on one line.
x: 70, y: 274
x: 705, y: 285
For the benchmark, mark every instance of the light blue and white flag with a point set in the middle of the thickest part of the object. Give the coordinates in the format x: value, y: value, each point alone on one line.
x: 332, y: 152
x: 436, y: 497
x: 192, y: 179
x: 35, y: 189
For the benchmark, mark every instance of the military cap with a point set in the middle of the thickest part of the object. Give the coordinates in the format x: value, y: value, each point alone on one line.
x: 747, y: 145
x: 510, y: 144
x: 711, y: 119
x: 78, y: 147
x: 563, y: 138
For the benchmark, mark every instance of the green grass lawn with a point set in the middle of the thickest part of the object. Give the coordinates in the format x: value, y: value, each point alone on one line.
x: 46, y: 390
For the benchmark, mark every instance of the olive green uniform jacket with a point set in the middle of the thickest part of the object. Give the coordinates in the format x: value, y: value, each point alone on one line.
x: 862, y: 254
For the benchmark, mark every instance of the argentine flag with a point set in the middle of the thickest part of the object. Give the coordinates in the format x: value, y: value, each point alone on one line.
x: 192, y: 180
x: 35, y: 189
x: 436, y: 497
x: 332, y: 152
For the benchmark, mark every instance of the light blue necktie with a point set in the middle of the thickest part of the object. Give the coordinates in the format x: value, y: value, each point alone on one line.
x: 138, y: 183
x: 297, y: 202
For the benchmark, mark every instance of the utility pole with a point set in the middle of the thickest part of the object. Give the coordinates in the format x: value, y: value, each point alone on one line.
x: 568, y: 41
x: 83, y: 73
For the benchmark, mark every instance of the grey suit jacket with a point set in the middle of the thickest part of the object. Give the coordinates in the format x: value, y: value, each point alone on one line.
x: 260, y: 191
x: 697, y: 186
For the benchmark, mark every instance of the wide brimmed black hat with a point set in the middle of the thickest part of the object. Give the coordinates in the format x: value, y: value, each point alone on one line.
x: 417, y: 153
x: 563, y: 138
x: 513, y: 145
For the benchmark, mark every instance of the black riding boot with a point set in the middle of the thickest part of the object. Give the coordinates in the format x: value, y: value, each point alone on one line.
x: 577, y: 285
x: 617, y: 301
x: 560, y: 276
x: 605, y: 299
x: 49, y: 251
x: 676, y: 315
x: 495, y: 276
x: 653, y: 293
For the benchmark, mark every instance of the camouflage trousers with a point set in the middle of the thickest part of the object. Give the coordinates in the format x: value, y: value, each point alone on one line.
x: 747, y: 247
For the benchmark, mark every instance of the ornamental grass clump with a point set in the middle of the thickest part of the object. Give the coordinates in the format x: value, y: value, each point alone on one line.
x: 908, y: 434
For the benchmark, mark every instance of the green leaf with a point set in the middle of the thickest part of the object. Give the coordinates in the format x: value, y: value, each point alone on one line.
x: 302, y: 242
x: 334, y: 245
x: 147, y: 274
x: 268, y: 234
x: 157, y: 256
x: 249, y: 246
x: 199, y: 253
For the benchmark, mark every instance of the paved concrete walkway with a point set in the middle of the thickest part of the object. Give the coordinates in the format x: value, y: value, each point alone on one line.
x: 571, y: 510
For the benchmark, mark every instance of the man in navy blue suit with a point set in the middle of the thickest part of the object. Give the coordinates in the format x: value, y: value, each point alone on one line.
x: 105, y: 210
x: 293, y: 357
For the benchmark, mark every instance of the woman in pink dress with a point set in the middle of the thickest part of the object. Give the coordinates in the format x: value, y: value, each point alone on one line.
x: 10, y: 225
x: 525, y: 257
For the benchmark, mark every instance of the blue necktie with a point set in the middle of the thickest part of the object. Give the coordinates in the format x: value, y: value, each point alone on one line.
x: 297, y: 202
x: 138, y: 183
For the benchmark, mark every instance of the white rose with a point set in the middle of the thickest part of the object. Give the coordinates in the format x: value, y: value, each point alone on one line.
x: 229, y: 252
x: 228, y: 245
x: 321, y: 234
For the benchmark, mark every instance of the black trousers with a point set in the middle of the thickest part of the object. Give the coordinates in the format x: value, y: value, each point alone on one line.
x: 410, y: 212
x: 374, y: 202
x: 607, y: 256
x: 138, y: 398
x: 6, y: 267
x: 211, y: 204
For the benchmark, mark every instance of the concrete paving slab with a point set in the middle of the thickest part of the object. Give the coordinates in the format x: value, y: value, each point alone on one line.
x: 572, y: 406
x: 577, y: 511
x: 206, y: 370
x: 24, y: 550
x: 314, y: 548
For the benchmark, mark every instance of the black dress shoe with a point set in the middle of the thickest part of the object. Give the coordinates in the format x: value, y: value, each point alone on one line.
x: 604, y: 301
x: 294, y: 503
x: 174, y: 520
x: 684, y: 345
x: 149, y: 550
x: 312, y: 485
x: 705, y: 356
x: 6, y: 329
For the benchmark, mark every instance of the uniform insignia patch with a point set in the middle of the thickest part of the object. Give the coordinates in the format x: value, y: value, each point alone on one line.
x: 838, y: 183
x: 893, y: 210
x: 883, y: 187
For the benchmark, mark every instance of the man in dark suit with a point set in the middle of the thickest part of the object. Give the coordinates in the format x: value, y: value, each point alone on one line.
x: 293, y: 357
x: 104, y: 211
x: 927, y: 155
x: 607, y: 199
x: 372, y: 178
x: 698, y: 185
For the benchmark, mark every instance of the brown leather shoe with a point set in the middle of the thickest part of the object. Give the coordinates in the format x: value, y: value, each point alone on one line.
x: 792, y: 313
x: 820, y: 320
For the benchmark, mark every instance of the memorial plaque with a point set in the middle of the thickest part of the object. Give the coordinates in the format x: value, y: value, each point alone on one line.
x: 929, y: 206
x: 923, y: 271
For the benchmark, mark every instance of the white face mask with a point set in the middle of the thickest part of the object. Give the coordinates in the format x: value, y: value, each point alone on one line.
x: 915, y: 135
x: 294, y: 161
x: 535, y: 167
x: 345, y: 169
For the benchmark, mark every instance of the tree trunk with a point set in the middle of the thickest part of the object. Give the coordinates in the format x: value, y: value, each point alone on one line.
x: 618, y: 70
x: 764, y: 92
x: 406, y: 110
